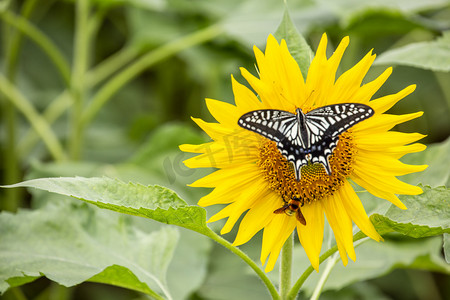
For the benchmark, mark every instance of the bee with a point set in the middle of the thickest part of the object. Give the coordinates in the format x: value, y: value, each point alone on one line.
x: 291, y: 207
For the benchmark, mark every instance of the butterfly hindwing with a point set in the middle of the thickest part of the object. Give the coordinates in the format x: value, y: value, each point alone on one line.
x: 326, y: 123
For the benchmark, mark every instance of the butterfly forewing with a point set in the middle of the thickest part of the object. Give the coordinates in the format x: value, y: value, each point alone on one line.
x: 270, y: 123
x: 306, y: 137
x: 332, y: 120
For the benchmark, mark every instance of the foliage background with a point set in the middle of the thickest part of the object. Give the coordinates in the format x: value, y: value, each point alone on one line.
x: 136, y: 133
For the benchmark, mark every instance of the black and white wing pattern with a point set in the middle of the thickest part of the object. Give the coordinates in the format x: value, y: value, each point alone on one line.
x: 270, y: 123
x: 310, y: 137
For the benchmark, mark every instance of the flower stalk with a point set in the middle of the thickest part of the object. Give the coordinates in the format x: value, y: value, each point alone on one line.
x: 286, y: 267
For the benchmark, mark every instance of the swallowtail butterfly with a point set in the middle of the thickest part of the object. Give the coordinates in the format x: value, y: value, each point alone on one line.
x: 306, y: 138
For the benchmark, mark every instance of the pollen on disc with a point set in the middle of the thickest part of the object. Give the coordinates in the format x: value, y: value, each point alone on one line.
x: 315, y: 183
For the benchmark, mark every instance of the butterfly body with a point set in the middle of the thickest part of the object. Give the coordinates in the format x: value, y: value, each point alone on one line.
x: 306, y: 138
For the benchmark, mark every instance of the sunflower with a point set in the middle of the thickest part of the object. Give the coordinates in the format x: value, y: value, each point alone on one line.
x: 254, y: 178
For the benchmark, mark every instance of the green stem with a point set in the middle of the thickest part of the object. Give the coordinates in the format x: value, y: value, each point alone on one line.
x: 63, y: 101
x: 286, y: 267
x: 163, y: 52
x: 16, y: 42
x: 56, y: 108
x: 10, y: 159
x: 80, y: 62
x: 272, y: 290
x: 36, y: 120
x: 323, y: 278
x: 111, y: 65
x: 296, y: 288
x: 13, y: 42
x: 41, y: 40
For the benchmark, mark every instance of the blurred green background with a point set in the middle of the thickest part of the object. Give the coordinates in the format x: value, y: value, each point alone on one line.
x: 154, y: 62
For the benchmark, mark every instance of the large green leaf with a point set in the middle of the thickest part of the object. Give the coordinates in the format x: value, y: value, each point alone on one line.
x: 230, y: 278
x: 427, y: 214
x: 252, y: 20
x: 69, y: 245
x: 375, y: 259
x: 188, y: 267
x: 434, y: 55
x: 297, y: 45
x: 154, y: 202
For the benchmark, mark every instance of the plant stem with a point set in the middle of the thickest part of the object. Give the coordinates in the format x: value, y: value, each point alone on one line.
x: 296, y: 287
x: 163, y: 52
x: 286, y: 267
x: 56, y: 108
x: 38, y: 123
x: 272, y: 290
x: 323, y: 278
x: 80, y: 62
x: 13, y: 41
x: 41, y: 40
x: 111, y: 65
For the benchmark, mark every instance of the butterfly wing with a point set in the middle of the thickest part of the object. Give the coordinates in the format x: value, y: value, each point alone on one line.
x: 326, y: 123
x: 273, y: 124
x: 323, y: 127
x: 279, y: 126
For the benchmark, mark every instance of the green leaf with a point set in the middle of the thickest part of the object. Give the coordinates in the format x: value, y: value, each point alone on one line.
x: 375, y: 259
x: 250, y: 21
x: 438, y: 172
x: 434, y: 55
x: 447, y: 247
x: 297, y: 45
x: 69, y: 245
x: 189, y: 267
x: 153, y: 202
x: 427, y: 214
x: 230, y: 278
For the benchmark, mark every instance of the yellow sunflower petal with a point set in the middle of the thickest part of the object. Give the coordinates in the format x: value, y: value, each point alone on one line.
x: 321, y: 73
x: 246, y: 200
x: 224, y: 113
x: 214, y: 130
x: 274, y: 236
x: 382, y: 104
x: 190, y: 148
x: 311, y: 235
x: 365, y: 93
x: 316, y: 70
x: 244, y: 98
x: 376, y: 191
x: 218, y: 155
x: 276, y: 73
x: 220, y: 195
x: 225, y: 175
x: 387, y: 182
x: 295, y: 82
x: 383, y: 164
x: 384, y: 122
x: 349, y: 83
x: 356, y: 211
x: 386, y: 139
x: 341, y: 224
x: 395, y: 152
x: 257, y: 218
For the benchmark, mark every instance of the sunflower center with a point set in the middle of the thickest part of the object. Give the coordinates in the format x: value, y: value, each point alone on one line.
x: 315, y: 183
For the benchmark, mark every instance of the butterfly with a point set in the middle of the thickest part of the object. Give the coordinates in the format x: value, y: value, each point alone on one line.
x: 306, y: 138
